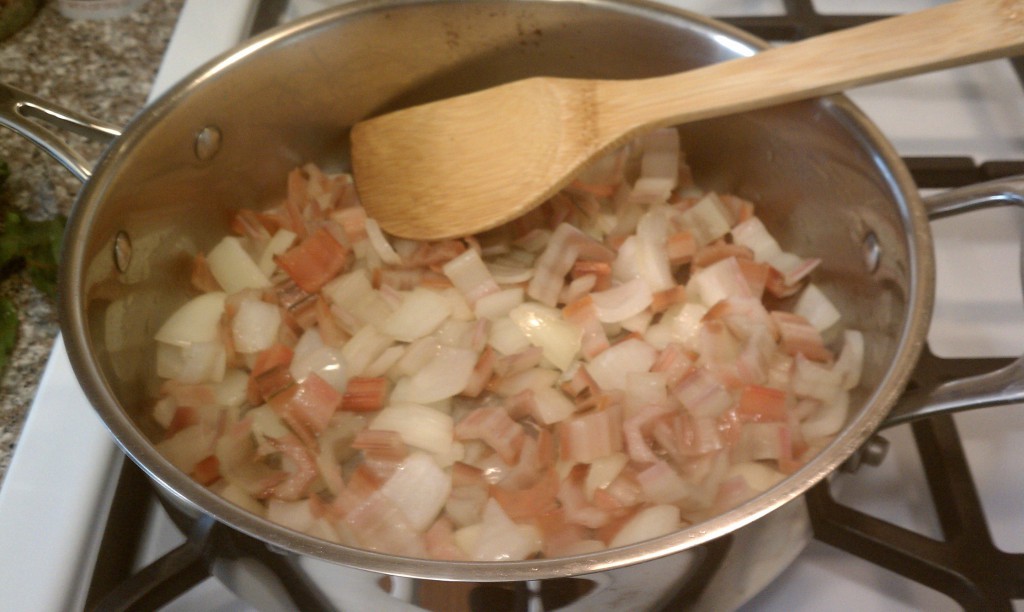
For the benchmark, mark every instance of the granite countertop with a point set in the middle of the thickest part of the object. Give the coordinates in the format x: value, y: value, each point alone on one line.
x: 103, y: 69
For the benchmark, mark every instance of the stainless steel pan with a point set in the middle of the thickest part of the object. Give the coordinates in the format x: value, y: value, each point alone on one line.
x: 825, y: 180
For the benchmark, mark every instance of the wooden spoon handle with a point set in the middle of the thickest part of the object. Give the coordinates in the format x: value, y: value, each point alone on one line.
x: 950, y: 34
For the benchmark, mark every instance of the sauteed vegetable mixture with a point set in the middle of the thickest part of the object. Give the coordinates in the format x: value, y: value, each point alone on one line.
x: 609, y: 368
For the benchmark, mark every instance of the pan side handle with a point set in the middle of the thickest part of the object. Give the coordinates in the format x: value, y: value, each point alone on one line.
x: 1004, y: 385
x: 28, y: 116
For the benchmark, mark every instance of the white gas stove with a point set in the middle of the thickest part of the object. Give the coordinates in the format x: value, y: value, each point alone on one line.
x: 49, y: 535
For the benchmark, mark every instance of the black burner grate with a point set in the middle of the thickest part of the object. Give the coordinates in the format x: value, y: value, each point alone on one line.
x: 967, y: 566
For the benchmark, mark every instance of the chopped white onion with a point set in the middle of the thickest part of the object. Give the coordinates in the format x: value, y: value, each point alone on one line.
x: 611, y: 368
x: 498, y: 304
x: 752, y: 234
x: 507, y: 337
x: 829, y: 419
x: 651, y: 252
x: 814, y: 380
x: 645, y: 389
x: 498, y: 538
x: 231, y: 390
x: 686, y: 324
x: 198, y: 320
x: 238, y: 496
x: 603, y: 471
x: 659, y: 166
x: 419, y: 487
x: 419, y: 426
x: 720, y: 280
x: 295, y: 515
x: 707, y: 220
x: 189, y: 446
x: 310, y: 340
x: 815, y: 306
x: 325, y: 361
x: 551, y: 405
x: 380, y: 243
x: 850, y: 362
x: 470, y: 276
x: 354, y: 294
x: 199, y: 362
x: 444, y: 376
x: 420, y: 313
x: 532, y: 379
x: 363, y: 348
x: 255, y: 325
x: 266, y: 423
x: 757, y: 475
x: 646, y: 524
x: 234, y: 268
x: 622, y: 301
x: 545, y: 328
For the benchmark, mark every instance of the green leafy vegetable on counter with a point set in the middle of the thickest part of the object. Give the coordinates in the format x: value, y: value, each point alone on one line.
x: 8, y: 330
x: 27, y: 247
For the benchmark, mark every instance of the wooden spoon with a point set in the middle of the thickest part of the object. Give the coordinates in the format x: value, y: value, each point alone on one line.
x: 466, y: 164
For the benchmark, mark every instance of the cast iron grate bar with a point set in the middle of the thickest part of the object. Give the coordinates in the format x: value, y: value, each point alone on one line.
x: 967, y: 566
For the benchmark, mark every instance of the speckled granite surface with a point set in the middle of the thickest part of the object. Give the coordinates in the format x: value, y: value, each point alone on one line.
x: 103, y: 69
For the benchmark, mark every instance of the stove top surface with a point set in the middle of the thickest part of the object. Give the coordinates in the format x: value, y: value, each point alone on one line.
x: 974, y: 114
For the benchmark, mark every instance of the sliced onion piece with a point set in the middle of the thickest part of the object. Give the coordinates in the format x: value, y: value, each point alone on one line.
x: 198, y: 320
x: 722, y: 279
x: 199, y: 362
x: 622, y: 301
x: 326, y: 362
x: 662, y: 484
x: 652, y: 252
x: 707, y: 220
x: 551, y: 405
x: 470, y: 276
x: 498, y: 304
x: 420, y: 488
x: 603, y: 471
x: 508, y: 273
x: 231, y: 390
x: 815, y: 306
x: 363, y: 348
x: 507, y: 337
x: 238, y: 496
x: 648, y: 523
x: 829, y: 419
x: 498, y: 538
x: 355, y: 295
x: 686, y: 324
x: 659, y: 166
x: 255, y: 325
x: 850, y: 362
x: 752, y: 234
x: 420, y: 313
x: 545, y: 328
x: 814, y: 380
x: 234, y: 268
x: 419, y: 426
x: 444, y: 376
x: 757, y: 475
x: 612, y: 367
x: 380, y: 243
